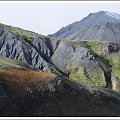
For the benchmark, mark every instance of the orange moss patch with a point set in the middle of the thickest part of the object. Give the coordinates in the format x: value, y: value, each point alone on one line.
x: 24, y: 75
x: 18, y: 79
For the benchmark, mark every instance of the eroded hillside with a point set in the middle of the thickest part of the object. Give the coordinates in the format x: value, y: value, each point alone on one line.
x: 81, y: 61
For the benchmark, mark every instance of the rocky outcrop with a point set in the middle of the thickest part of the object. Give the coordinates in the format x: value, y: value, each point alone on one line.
x: 35, y: 53
x: 68, y: 55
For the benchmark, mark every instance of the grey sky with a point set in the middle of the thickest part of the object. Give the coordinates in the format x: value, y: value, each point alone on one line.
x: 46, y: 18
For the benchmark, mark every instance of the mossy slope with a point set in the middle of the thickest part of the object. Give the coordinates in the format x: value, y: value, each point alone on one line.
x: 95, y: 78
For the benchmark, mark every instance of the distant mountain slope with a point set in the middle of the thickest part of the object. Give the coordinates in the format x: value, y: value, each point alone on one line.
x: 103, y: 25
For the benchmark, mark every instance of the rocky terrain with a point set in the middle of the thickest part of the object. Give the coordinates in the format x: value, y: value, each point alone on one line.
x: 28, y: 92
x: 81, y: 61
x: 46, y: 76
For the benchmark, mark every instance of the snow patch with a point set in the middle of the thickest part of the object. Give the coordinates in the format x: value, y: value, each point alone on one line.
x: 114, y: 15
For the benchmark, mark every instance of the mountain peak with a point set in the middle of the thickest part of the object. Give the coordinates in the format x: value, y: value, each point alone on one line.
x: 110, y: 15
x: 114, y: 15
x: 100, y: 26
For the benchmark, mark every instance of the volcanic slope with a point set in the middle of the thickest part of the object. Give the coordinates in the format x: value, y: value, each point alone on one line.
x: 99, y: 26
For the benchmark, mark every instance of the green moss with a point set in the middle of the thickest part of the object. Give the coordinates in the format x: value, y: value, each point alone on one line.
x: 114, y: 60
x: 95, y: 47
x: 77, y: 73
x: 5, y: 62
x: 26, y: 35
x: 95, y: 78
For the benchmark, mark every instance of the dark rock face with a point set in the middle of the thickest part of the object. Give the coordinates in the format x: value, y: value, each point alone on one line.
x: 61, y: 97
x: 3, y: 89
x: 103, y: 26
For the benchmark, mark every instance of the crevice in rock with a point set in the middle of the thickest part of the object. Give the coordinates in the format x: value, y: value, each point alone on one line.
x: 40, y: 53
x: 107, y: 69
x: 107, y: 75
x: 57, y: 44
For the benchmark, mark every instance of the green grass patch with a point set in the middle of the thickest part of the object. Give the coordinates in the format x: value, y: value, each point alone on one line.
x: 114, y: 60
x: 95, y: 46
x: 95, y: 78
x: 6, y: 62
x: 27, y: 35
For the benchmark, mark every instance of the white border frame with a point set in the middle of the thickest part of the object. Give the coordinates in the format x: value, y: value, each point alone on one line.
x: 59, y: 1
x: 60, y: 118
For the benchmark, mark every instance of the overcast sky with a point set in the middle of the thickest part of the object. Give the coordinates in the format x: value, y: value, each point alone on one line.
x: 46, y: 18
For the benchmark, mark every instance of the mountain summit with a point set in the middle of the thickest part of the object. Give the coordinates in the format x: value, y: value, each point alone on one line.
x: 103, y: 26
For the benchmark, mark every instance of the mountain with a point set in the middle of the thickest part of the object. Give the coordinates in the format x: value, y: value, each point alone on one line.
x: 99, y: 26
x: 81, y: 61
x: 46, y: 76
